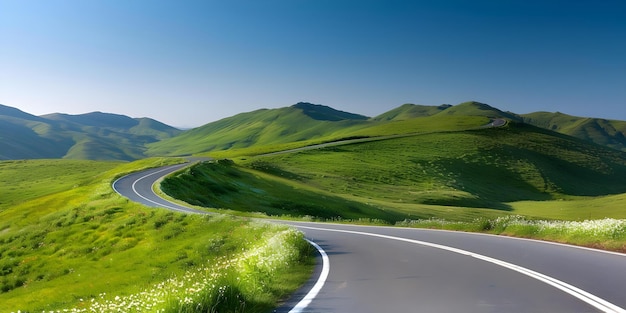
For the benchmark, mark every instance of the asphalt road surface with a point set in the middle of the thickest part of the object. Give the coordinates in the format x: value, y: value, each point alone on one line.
x: 386, y: 269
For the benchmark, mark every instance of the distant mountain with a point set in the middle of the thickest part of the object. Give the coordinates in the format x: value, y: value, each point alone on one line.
x: 409, y: 111
x: 473, y: 108
x: 106, y: 136
x: 299, y: 122
x: 306, y: 122
x: 97, y: 135
x: 324, y: 113
x: 610, y: 133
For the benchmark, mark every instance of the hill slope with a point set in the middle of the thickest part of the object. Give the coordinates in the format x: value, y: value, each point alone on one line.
x: 483, y: 168
x: 95, y: 136
x: 310, y: 123
x: 103, y: 136
x: 409, y: 111
x: 300, y: 122
x: 610, y: 133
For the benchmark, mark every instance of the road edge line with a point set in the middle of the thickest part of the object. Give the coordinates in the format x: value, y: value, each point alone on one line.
x: 300, y: 306
x: 593, y: 300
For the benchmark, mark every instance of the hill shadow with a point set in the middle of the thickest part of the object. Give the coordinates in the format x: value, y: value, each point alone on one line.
x: 325, y: 113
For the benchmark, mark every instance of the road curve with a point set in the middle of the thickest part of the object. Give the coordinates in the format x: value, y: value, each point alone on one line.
x: 388, y: 269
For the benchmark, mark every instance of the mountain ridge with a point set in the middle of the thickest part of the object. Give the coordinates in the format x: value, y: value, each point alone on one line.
x: 326, y: 113
x: 95, y: 135
x: 98, y: 135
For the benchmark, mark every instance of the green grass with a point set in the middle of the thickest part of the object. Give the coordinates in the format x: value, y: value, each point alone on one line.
x: 444, y: 168
x: 265, y: 131
x: 488, y: 168
x: 576, y: 209
x: 61, y: 250
x: 94, y: 136
x: 224, y: 185
x: 25, y: 180
x: 601, y: 131
x: 457, y: 175
x: 607, y: 233
x: 258, y: 128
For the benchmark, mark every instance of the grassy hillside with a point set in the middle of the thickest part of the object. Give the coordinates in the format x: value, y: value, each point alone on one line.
x: 226, y: 186
x: 306, y: 124
x: 445, y: 163
x: 298, y: 123
x: 518, y: 162
x: 473, y: 108
x: 609, y: 133
x: 486, y: 168
x: 409, y: 111
x: 25, y: 180
x: 82, y: 246
x: 94, y: 136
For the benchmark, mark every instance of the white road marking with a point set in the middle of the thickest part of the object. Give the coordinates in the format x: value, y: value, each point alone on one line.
x: 582, y: 295
x: 151, y: 201
x: 318, y: 285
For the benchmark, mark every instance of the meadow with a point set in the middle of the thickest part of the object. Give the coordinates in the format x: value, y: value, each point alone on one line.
x: 487, y: 168
x: 606, y: 233
x: 23, y: 180
x: 82, y: 247
x: 468, y: 178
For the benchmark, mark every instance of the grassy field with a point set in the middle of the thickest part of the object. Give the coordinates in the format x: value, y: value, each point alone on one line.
x: 272, y: 130
x: 25, y: 180
x: 456, y: 175
x: 226, y: 186
x: 473, y: 180
x: 82, y: 246
x: 488, y: 168
x: 69, y: 242
x: 606, y: 233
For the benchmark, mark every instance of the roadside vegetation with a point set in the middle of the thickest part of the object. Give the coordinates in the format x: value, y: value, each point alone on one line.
x: 469, y: 179
x: 25, y: 180
x: 68, y: 242
x: 607, y: 233
x: 224, y: 185
x: 82, y: 247
x: 490, y: 169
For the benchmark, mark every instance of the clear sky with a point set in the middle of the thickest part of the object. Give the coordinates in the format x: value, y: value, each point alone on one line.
x: 187, y: 63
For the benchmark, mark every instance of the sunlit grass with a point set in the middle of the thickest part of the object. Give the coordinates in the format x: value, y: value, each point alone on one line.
x: 62, y: 250
x: 245, y: 281
x: 576, y: 208
x: 489, y: 168
x: 605, y: 233
x: 24, y: 180
x: 225, y: 185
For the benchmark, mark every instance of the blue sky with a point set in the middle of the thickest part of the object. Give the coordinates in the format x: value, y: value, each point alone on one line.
x: 188, y: 63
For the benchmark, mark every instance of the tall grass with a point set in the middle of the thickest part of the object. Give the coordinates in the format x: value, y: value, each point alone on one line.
x: 86, y: 243
x: 24, y: 180
x: 608, y: 233
x: 244, y: 282
x: 488, y: 168
x: 225, y: 185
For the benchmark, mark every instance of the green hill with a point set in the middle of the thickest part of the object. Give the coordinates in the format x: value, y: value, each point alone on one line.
x: 409, y: 111
x: 518, y: 162
x: 464, y: 171
x: 300, y: 122
x: 104, y: 136
x: 610, y: 133
x: 473, y: 108
x: 325, y: 113
x: 95, y: 136
x: 307, y: 124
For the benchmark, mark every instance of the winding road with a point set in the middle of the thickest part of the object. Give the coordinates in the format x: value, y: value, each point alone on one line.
x: 389, y: 269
